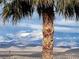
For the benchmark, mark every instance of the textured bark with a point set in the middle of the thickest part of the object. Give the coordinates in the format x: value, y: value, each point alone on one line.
x: 48, y: 31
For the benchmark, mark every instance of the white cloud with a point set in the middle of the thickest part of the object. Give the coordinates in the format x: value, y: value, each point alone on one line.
x: 33, y: 26
x: 34, y: 34
x: 56, y: 28
x: 70, y: 26
x: 37, y: 34
x: 66, y: 29
x: 66, y: 37
x: 22, y: 34
x: 60, y: 28
x: 64, y: 43
x: 66, y: 22
x: 10, y: 35
x: 2, y: 39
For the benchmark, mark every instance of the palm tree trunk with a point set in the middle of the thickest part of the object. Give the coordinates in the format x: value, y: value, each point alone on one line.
x: 48, y: 31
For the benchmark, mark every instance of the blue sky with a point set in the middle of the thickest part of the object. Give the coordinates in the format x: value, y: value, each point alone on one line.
x: 28, y: 32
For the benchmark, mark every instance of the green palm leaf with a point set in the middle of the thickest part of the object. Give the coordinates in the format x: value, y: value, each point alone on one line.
x: 0, y: 1
x: 21, y: 8
x: 45, y: 6
x: 68, y: 8
x: 17, y: 9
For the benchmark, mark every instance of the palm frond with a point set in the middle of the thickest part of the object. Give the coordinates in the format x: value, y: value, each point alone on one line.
x: 76, y: 8
x: 45, y: 6
x: 17, y: 9
x: 7, y: 12
x: 0, y: 1
x: 68, y: 8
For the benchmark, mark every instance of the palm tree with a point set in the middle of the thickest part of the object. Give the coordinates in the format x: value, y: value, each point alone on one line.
x: 21, y: 8
x: 18, y: 9
x: 46, y: 10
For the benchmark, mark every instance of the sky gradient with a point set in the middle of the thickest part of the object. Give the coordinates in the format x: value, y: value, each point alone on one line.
x: 28, y: 32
